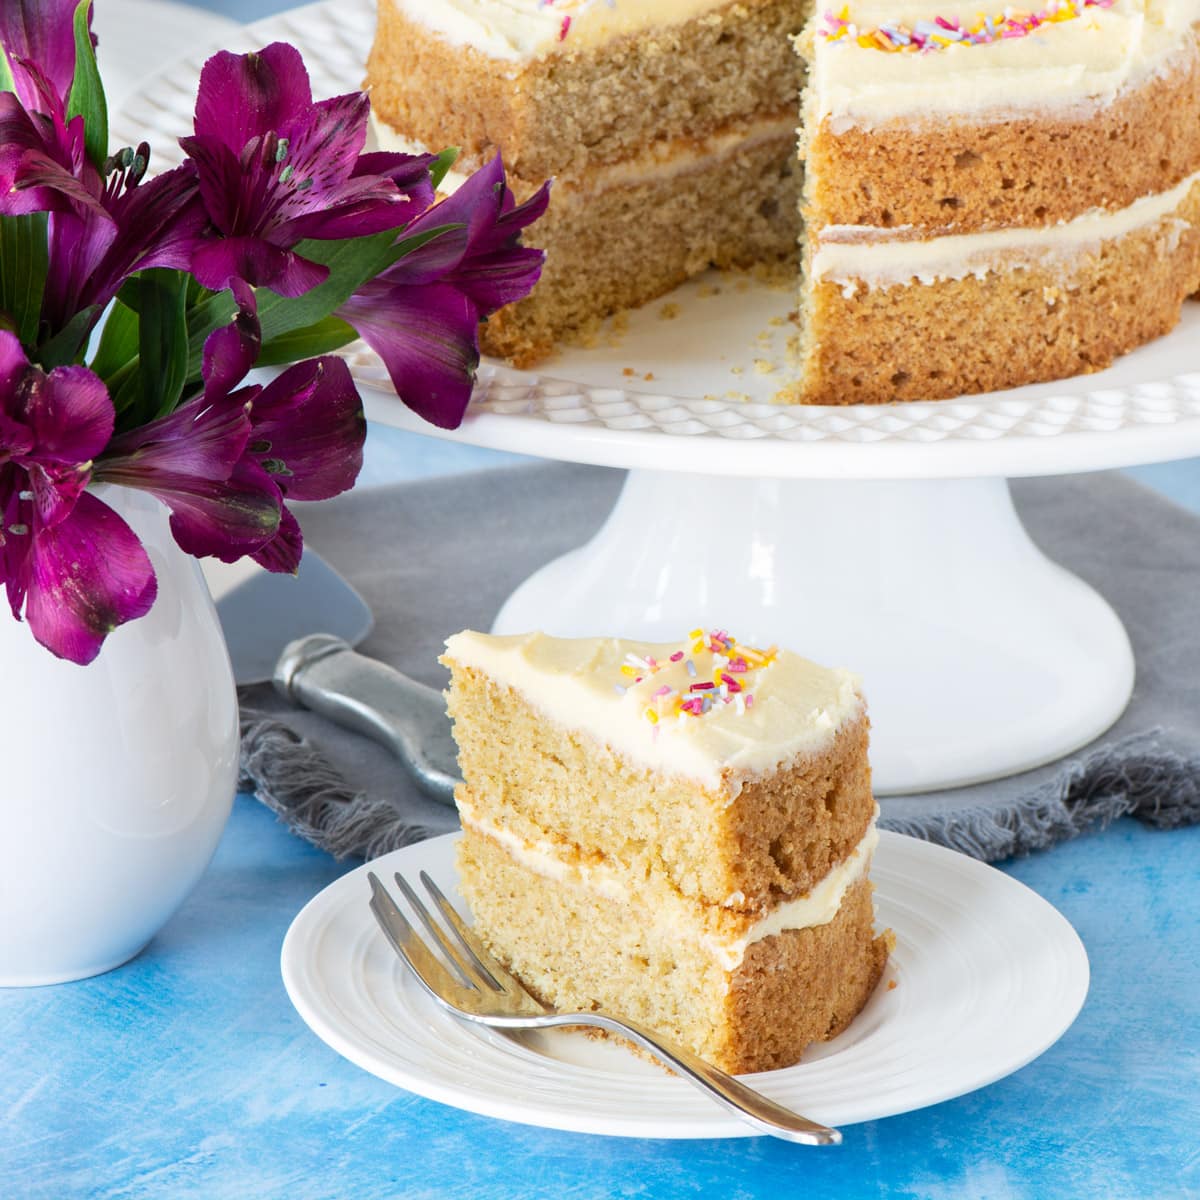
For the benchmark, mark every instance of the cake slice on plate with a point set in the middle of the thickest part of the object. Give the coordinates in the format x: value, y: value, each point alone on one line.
x: 679, y: 833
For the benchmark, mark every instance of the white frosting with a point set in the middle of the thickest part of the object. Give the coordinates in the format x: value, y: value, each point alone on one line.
x: 520, y: 30
x: 819, y: 907
x: 659, y: 160
x: 1084, y: 61
x: 847, y: 255
x: 797, y: 706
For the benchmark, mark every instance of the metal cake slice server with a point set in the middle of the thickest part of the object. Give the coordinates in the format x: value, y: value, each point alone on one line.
x: 269, y: 622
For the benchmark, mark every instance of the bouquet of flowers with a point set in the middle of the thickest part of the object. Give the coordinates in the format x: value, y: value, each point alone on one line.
x: 133, y: 305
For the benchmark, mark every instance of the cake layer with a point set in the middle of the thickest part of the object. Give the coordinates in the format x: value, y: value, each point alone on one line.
x: 739, y: 807
x: 578, y: 949
x: 594, y: 102
x: 728, y: 200
x: 923, y: 320
x: 722, y: 931
x: 969, y: 170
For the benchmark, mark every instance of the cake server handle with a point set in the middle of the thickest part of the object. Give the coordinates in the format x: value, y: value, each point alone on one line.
x: 323, y: 673
x: 761, y: 1112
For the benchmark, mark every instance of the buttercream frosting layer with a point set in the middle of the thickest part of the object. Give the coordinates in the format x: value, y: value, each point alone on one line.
x: 659, y: 160
x: 683, y: 919
x: 518, y: 30
x: 1087, y: 60
x: 787, y: 708
x: 882, y: 257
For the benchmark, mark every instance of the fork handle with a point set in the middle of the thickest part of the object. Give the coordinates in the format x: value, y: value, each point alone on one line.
x: 765, y: 1115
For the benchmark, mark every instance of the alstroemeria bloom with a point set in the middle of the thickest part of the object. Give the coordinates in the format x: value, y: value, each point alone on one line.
x: 224, y: 463
x: 136, y: 223
x: 68, y: 560
x: 275, y: 169
x: 421, y: 316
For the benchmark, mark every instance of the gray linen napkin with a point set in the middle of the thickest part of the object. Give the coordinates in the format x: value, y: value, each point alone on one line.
x: 434, y: 557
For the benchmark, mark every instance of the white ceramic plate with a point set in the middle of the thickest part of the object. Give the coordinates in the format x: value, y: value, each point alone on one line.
x: 988, y: 975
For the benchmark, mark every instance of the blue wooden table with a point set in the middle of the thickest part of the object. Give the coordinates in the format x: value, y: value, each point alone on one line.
x: 186, y: 1073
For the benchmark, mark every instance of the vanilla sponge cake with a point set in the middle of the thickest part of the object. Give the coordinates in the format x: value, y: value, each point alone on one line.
x: 992, y: 196
x: 677, y: 833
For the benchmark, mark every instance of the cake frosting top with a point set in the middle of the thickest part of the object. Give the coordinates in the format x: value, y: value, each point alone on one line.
x: 976, y: 60
x: 707, y: 707
x: 524, y: 29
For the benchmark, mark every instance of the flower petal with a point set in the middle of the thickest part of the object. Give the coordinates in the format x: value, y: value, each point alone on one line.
x: 230, y: 352
x: 217, y: 264
x: 83, y: 578
x: 308, y: 425
x: 242, y: 96
x: 427, y: 338
x: 190, y: 460
x: 42, y: 33
x: 70, y: 413
x: 283, y: 552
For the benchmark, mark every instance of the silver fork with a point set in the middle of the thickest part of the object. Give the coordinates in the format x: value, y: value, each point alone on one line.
x: 486, y: 993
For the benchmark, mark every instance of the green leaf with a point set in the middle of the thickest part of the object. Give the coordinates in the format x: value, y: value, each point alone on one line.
x: 24, y: 262
x: 351, y: 262
x: 162, y: 341
x: 118, y: 348
x: 7, y: 83
x: 67, y: 345
x: 440, y: 167
x: 86, y: 98
x: 324, y: 337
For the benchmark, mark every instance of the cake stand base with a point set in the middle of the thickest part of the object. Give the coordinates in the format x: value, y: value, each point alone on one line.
x: 980, y: 657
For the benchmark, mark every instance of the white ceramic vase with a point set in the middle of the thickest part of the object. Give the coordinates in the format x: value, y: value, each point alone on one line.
x: 117, y: 777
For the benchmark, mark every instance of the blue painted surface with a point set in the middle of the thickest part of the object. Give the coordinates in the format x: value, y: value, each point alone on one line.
x: 186, y: 1073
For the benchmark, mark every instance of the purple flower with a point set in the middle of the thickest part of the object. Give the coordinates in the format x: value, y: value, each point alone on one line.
x: 274, y: 169
x: 224, y: 462
x: 421, y: 315
x: 308, y: 435
x: 134, y: 223
x: 38, y: 39
x: 68, y: 560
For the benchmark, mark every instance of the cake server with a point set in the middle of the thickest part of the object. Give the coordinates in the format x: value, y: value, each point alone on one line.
x: 481, y: 990
x: 268, y: 621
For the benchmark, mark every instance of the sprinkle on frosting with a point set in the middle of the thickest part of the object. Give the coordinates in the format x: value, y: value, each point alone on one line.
x: 940, y: 33
x: 717, y: 680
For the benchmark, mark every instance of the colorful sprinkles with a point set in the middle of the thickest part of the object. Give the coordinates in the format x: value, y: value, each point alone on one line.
x: 720, y: 683
x: 940, y: 33
x: 578, y: 6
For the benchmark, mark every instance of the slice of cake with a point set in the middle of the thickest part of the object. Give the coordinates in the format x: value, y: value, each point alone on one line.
x: 679, y: 834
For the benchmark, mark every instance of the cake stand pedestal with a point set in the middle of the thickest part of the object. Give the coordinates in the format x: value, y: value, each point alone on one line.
x: 883, y: 539
x: 981, y: 657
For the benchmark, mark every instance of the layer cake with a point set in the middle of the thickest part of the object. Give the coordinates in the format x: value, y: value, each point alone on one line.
x: 680, y: 834
x: 990, y: 198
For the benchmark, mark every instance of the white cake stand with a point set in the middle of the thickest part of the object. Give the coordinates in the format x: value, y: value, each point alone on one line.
x: 880, y: 538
